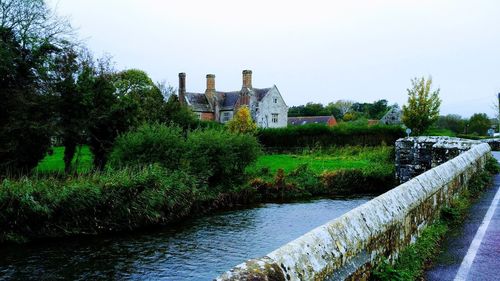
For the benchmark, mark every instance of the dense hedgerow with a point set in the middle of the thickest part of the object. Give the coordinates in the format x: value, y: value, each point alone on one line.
x: 218, y: 157
x: 213, y: 156
x: 150, y: 143
x: 315, y: 135
x: 101, y: 202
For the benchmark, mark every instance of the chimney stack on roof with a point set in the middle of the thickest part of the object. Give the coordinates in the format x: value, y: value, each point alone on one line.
x: 210, y: 82
x: 210, y: 91
x: 247, y: 79
x: 182, y: 88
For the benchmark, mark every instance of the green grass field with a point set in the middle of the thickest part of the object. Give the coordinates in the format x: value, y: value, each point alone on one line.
x: 329, y: 160
x: 55, y: 163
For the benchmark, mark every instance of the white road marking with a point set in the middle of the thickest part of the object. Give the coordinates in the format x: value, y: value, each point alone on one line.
x: 478, y: 238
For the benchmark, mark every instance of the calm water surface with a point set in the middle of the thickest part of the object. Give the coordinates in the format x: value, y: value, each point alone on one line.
x: 199, y: 249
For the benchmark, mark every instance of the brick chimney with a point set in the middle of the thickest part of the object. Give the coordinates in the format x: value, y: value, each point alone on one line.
x: 247, y: 79
x: 210, y: 91
x: 182, y: 88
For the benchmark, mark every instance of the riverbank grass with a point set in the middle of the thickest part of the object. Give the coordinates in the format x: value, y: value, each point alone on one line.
x: 325, y: 160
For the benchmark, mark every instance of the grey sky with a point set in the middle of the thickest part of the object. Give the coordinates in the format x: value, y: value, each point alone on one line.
x: 317, y: 51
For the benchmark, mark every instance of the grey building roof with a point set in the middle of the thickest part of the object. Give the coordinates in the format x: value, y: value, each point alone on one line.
x: 199, y: 102
x: 227, y: 100
x: 261, y: 93
x: 308, y: 120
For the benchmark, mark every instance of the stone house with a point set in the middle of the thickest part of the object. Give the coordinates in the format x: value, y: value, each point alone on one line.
x: 393, y: 116
x: 267, y: 107
x: 330, y: 121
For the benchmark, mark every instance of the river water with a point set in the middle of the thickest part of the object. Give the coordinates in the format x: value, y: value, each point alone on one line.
x: 198, y: 249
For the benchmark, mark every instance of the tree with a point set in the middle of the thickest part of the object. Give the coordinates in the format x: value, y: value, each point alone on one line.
x: 72, y: 113
x: 344, y: 106
x: 333, y: 110
x: 377, y: 109
x: 175, y: 112
x: 24, y: 113
x: 31, y: 39
x: 423, y: 105
x: 452, y: 122
x: 479, y: 123
x: 242, y: 122
x: 137, y: 85
x: 110, y: 114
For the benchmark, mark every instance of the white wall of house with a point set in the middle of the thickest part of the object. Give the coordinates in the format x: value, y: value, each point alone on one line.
x: 225, y: 116
x: 272, y: 111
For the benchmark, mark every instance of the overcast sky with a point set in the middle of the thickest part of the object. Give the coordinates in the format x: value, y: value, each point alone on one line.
x: 317, y: 51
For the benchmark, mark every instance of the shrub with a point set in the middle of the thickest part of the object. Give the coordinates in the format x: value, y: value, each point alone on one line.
x: 150, y: 143
x: 218, y: 157
x: 315, y: 135
x: 110, y: 201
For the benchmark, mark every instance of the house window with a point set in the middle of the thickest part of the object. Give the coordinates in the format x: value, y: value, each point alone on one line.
x: 275, y: 100
x: 225, y: 116
x: 198, y: 114
x: 274, y: 117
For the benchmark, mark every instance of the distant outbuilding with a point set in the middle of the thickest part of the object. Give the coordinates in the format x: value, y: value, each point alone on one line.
x: 325, y: 120
x: 393, y: 116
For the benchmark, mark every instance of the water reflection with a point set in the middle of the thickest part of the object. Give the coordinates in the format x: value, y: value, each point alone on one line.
x: 199, y: 249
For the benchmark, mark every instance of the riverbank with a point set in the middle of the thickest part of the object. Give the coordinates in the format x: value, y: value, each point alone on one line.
x: 192, y: 250
x: 50, y: 206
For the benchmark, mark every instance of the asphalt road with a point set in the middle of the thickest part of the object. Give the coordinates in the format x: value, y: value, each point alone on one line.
x: 472, y: 252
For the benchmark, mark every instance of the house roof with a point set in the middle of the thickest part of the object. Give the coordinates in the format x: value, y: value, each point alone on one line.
x: 261, y: 93
x: 199, y: 102
x: 309, y: 120
x: 227, y: 100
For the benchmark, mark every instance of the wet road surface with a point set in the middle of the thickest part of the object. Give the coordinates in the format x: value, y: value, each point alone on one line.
x: 472, y: 252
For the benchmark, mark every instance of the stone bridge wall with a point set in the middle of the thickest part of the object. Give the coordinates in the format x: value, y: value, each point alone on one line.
x: 347, y: 247
x: 416, y: 155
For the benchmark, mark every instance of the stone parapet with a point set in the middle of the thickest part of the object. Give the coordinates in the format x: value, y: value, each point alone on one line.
x: 348, y: 247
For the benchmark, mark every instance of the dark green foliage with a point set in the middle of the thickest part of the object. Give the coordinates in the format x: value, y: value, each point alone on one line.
x: 452, y: 122
x: 303, y: 182
x: 374, y: 180
x: 25, y: 125
x: 110, y: 201
x: 71, y: 111
x: 375, y: 110
x: 218, y: 157
x: 150, y: 143
x: 174, y: 112
x: 137, y: 86
x: 479, y: 124
x: 492, y: 165
x: 109, y: 116
x: 312, y: 109
x: 311, y: 136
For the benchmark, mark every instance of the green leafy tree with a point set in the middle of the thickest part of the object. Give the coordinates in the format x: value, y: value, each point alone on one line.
x: 242, y: 122
x: 110, y: 114
x: 25, y: 126
x: 178, y: 114
x: 452, y: 122
x: 72, y: 112
x: 479, y: 123
x: 378, y: 109
x: 136, y: 85
x: 422, y: 109
x: 30, y: 39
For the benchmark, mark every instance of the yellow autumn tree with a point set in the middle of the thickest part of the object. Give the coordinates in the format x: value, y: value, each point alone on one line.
x: 242, y: 122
